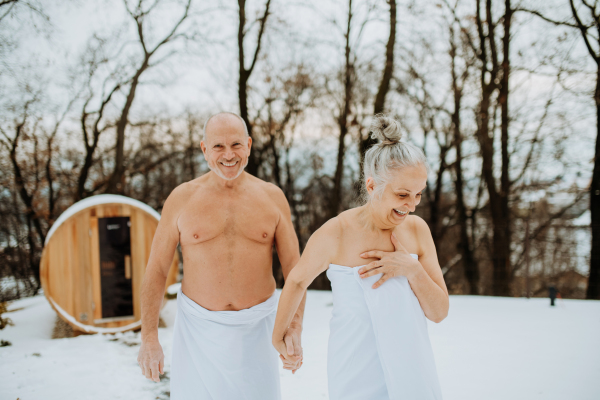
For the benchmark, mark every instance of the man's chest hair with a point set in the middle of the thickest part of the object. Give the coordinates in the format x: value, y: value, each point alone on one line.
x: 209, y: 217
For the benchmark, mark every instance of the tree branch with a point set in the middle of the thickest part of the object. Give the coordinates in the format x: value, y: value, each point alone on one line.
x: 545, y: 225
x: 583, y: 29
x: 170, y: 35
x: 547, y: 19
x: 261, y: 31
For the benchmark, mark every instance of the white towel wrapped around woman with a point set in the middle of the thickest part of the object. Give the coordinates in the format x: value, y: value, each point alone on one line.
x: 378, y: 345
x: 220, y: 355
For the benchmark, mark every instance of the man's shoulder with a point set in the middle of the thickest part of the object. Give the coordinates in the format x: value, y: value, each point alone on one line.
x: 270, y: 189
x: 182, y: 193
x: 185, y: 189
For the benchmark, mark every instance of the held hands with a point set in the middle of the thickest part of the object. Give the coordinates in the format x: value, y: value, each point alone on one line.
x: 290, y: 348
x: 151, y: 359
x: 390, y: 264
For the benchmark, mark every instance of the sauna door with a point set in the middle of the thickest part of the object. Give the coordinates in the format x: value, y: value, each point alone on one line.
x: 115, y: 267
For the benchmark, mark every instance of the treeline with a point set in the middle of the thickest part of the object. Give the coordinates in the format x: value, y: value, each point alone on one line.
x: 497, y: 94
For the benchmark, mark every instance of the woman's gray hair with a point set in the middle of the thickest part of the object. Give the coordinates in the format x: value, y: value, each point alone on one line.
x: 388, y: 154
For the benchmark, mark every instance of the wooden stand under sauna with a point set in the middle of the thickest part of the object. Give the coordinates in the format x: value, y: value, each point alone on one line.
x: 94, y: 260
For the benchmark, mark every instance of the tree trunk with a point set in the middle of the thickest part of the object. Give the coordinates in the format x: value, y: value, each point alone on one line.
x: 593, y: 289
x: 384, y: 85
x: 116, y: 183
x: 83, y: 173
x: 30, y: 214
x: 252, y: 167
x: 26, y: 198
x: 336, y: 197
x: 34, y: 264
x: 435, y: 217
x: 502, y: 234
x: 470, y: 267
x: 498, y: 197
x: 244, y: 76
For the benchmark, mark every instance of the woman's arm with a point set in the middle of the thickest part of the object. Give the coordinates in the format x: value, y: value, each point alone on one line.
x: 425, y: 276
x: 315, y: 259
x: 428, y: 281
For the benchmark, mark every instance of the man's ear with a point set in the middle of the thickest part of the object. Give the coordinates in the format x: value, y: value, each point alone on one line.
x: 203, y: 147
x: 249, y: 143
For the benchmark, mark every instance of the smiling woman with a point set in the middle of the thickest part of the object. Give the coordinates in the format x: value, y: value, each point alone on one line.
x: 378, y: 345
x: 390, y: 153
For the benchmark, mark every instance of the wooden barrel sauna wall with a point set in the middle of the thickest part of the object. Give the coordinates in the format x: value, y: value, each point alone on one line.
x: 94, y: 260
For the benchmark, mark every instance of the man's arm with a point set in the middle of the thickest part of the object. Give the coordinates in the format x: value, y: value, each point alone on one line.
x: 288, y: 251
x: 166, y: 237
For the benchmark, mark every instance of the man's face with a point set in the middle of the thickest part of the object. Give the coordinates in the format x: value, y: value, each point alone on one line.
x: 226, y: 148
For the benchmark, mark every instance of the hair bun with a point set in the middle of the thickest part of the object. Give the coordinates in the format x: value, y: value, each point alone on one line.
x: 385, y: 129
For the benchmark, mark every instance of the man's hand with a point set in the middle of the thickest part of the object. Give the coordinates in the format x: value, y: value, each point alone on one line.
x: 390, y: 264
x: 151, y: 359
x: 290, y: 348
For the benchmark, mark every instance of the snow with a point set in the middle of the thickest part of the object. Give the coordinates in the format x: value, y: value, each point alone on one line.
x: 488, y: 348
x: 173, y: 289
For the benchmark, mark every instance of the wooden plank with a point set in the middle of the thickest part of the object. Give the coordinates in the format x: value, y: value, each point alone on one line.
x: 87, y: 295
x: 95, y: 267
x: 139, y: 256
x: 77, y: 288
x: 68, y: 279
x: 85, y: 268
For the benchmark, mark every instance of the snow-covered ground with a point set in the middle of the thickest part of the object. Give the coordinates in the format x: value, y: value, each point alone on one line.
x: 487, y: 349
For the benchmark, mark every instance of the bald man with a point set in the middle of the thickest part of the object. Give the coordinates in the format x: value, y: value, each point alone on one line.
x: 226, y: 222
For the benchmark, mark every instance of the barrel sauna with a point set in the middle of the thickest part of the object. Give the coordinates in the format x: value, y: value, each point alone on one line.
x: 94, y: 260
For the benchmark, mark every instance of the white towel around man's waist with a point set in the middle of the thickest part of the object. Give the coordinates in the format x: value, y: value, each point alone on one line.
x: 222, y: 355
x: 379, y: 346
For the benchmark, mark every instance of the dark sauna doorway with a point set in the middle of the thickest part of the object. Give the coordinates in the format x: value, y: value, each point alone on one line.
x: 115, y: 267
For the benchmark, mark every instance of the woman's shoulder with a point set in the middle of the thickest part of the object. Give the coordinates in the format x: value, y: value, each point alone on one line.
x: 331, y: 228
x: 331, y: 233
x: 419, y: 231
x: 336, y: 227
x: 324, y: 242
x: 416, y: 223
x: 348, y: 218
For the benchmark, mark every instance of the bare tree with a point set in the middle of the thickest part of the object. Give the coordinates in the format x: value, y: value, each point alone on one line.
x: 386, y: 77
x: 290, y: 94
x: 494, y: 75
x: 586, y: 19
x: 466, y: 242
x: 139, y: 14
x: 342, y: 119
x: 93, y: 122
x: 245, y: 73
x: 32, y: 172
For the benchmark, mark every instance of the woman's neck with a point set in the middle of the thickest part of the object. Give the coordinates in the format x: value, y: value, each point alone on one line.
x: 372, y: 220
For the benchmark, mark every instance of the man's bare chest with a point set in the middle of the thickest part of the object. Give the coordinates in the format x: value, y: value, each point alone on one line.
x: 250, y: 217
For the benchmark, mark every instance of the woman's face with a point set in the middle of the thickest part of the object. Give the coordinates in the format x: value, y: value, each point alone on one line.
x: 400, y: 196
